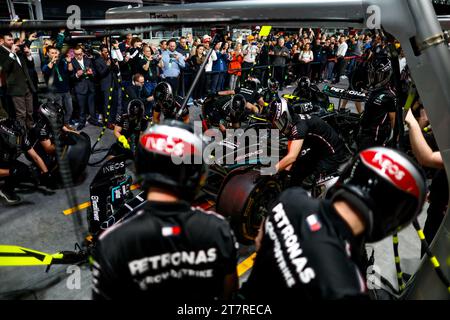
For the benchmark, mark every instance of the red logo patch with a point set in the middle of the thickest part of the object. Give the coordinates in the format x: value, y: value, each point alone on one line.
x: 394, y: 171
x: 167, y: 145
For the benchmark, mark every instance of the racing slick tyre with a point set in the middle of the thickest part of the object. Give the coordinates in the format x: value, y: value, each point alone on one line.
x: 245, y: 198
x: 77, y: 151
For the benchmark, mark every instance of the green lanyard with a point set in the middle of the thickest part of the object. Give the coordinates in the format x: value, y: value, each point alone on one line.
x: 59, y: 74
x: 150, y: 74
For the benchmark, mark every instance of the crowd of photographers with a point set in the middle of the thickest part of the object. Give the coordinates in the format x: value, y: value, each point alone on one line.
x: 77, y: 75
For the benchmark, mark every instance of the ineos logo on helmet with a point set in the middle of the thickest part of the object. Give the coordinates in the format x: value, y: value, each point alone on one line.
x: 392, y: 170
x: 169, y: 145
x: 385, y: 187
x: 156, y: 165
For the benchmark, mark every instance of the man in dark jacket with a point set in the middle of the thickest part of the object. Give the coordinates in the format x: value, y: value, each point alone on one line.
x: 18, y: 82
x: 57, y: 73
x: 83, y: 75
x: 138, y: 91
x: 107, y: 71
x: 280, y: 55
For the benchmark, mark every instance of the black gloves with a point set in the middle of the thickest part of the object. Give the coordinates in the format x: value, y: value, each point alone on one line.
x: 20, y: 172
x: 46, y: 179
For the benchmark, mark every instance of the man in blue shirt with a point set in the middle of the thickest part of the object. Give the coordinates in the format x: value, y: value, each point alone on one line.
x: 172, y: 63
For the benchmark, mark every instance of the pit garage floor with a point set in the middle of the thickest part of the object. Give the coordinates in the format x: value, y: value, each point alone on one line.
x: 40, y: 224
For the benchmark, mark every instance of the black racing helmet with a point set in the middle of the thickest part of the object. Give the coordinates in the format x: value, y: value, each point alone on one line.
x: 12, y: 134
x: 279, y: 115
x: 380, y: 72
x: 303, y: 83
x: 252, y: 84
x: 52, y: 114
x: 386, y: 188
x: 273, y: 85
x: 135, y: 109
x: 169, y: 157
x: 164, y: 96
x: 237, y: 105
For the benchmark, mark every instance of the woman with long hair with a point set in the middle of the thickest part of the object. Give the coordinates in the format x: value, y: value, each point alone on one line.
x: 306, y: 57
x: 196, y: 60
x: 235, y: 66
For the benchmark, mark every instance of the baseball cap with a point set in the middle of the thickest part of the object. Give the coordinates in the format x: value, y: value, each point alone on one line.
x: 206, y: 38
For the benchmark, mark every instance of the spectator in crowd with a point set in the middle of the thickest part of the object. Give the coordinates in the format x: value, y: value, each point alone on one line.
x: 280, y: 54
x: 47, y: 43
x: 306, y: 57
x: 359, y: 46
x: 340, y: 56
x: 4, y: 106
x: 295, y: 53
x: 33, y: 74
x: 84, y: 89
x: 186, y: 77
x: 332, y: 50
x: 116, y: 53
x: 251, y: 51
x: 172, y: 63
x: 324, y: 58
x: 149, y: 68
x: 19, y: 84
x: 264, y: 64
x: 219, y: 68
x: 209, y: 64
x: 138, y: 91
x: 316, y: 67
x: 57, y: 72
x: 126, y: 44
x: 107, y: 71
x: 196, y: 43
x: 227, y: 48
x: 235, y: 66
x: 367, y: 44
x: 134, y: 55
x: 352, y: 43
x: 197, y: 60
x: 162, y: 46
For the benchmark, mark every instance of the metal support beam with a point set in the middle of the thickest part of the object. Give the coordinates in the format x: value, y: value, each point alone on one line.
x: 38, y: 10
x: 12, y: 12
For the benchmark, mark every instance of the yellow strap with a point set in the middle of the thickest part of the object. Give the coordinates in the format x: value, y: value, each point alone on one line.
x: 435, y: 262
x: 397, y: 259
x: 245, y: 265
x: 421, y: 235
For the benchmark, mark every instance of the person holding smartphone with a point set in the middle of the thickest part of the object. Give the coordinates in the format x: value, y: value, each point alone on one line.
x: 171, y: 64
x: 57, y: 73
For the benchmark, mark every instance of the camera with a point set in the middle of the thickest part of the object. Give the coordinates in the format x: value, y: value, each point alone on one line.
x: 155, y: 56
